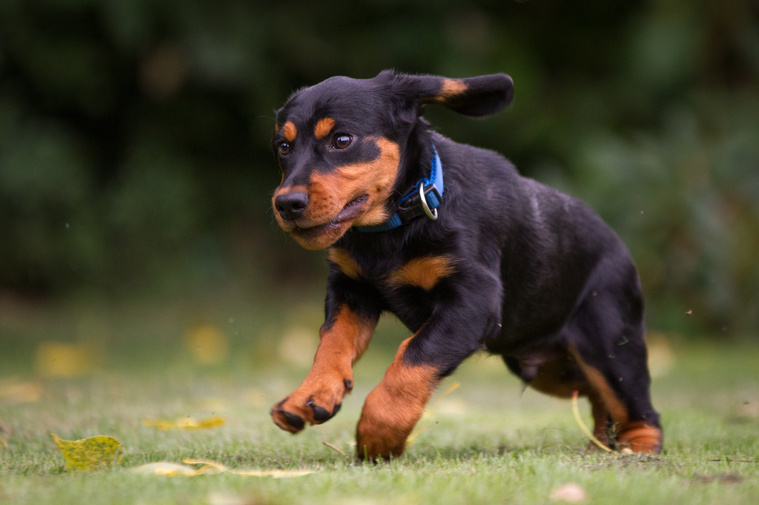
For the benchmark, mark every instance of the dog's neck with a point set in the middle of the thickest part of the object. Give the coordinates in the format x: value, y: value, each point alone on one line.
x: 418, y: 191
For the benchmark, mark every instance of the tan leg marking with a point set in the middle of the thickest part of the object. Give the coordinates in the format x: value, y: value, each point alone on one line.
x: 331, y: 377
x: 638, y: 436
x: 393, y: 408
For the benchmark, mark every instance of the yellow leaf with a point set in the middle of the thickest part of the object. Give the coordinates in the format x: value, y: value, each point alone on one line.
x: 90, y: 453
x: 207, y: 344
x: 274, y: 474
x: 167, y: 469
x: 58, y: 359
x: 184, y: 423
x: 20, y: 392
x: 207, y: 463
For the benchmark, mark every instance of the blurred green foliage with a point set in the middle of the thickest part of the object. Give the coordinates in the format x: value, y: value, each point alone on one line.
x: 134, y: 135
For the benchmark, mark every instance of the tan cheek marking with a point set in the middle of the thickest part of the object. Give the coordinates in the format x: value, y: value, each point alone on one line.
x: 423, y: 272
x: 331, y: 191
x: 343, y: 260
x: 290, y: 131
x: 610, y: 399
x: 450, y: 88
x: 323, y: 127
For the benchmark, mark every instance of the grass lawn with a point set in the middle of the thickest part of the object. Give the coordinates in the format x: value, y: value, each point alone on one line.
x: 486, y: 442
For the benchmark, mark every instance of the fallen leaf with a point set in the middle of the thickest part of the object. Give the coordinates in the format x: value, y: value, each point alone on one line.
x: 184, y: 423
x: 570, y: 493
x: 91, y: 453
x: 59, y: 359
x: 20, y: 392
x: 217, y: 498
x: 167, y: 469
x: 275, y: 474
x: 207, y: 344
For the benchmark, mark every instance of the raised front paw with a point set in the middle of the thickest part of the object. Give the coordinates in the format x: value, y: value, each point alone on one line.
x: 314, y: 402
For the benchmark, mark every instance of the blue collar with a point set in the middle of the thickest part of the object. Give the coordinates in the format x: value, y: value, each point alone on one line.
x: 423, y: 200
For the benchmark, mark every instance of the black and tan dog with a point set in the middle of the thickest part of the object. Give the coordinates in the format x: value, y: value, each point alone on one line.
x: 468, y: 254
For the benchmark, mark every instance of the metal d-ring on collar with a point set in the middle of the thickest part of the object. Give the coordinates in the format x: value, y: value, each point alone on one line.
x: 431, y: 213
x: 423, y: 200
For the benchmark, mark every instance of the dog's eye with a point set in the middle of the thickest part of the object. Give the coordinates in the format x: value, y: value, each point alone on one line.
x: 341, y: 141
x: 284, y: 148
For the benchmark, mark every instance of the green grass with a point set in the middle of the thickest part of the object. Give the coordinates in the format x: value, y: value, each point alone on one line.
x: 487, y: 442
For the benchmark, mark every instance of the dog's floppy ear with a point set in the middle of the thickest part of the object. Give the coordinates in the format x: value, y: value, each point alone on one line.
x: 473, y: 96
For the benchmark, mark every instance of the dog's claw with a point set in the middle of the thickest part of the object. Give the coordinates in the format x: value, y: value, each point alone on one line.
x: 294, y: 420
x: 321, y: 414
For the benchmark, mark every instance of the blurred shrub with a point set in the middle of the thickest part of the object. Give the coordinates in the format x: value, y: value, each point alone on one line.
x: 134, y: 134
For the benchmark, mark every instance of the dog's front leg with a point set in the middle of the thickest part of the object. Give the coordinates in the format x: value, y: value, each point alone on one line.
x: 394, y: 407
x: 343, y: 338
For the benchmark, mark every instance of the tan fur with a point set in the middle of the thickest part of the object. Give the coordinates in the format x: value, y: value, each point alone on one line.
x: 450, y: 88
x: 323, y: 127
x: 343, y: 260
x: 341, y: 344
x: 330, y: 192
x: 603, y: 389
x: 394, y: 407
x: 289, y: 131
x: 423, y: 272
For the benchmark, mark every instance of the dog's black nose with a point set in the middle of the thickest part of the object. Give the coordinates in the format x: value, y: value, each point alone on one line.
x: 291, y: 205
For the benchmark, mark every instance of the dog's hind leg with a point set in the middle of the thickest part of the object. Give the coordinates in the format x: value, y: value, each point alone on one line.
x: 612, y: 354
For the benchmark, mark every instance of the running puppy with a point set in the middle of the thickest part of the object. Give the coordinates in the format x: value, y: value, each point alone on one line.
x: 467, y: 253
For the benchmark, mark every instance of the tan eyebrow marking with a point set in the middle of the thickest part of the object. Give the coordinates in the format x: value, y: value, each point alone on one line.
x: 323, y: 127
x: 290, y: 131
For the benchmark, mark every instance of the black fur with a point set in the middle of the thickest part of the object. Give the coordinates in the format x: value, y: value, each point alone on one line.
x: 538, y: 275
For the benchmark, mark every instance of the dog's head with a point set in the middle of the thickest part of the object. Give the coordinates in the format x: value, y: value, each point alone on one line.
x: 339, y: 145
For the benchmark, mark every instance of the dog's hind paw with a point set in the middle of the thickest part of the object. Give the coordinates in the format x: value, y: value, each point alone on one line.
x: 639, y: 436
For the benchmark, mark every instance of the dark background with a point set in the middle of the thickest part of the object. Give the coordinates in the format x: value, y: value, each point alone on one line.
x: 134, y: 135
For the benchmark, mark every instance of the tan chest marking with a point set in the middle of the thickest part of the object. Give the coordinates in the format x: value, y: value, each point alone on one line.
x: 345, y: 263
x: 423, y: 272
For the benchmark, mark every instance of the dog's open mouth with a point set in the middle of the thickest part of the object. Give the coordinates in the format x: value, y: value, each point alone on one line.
x: 350, y: 212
